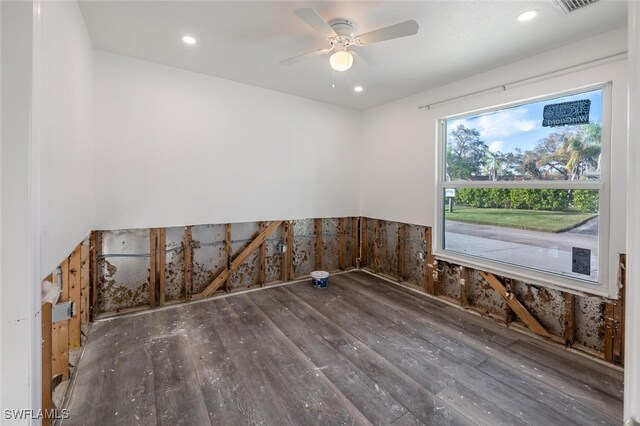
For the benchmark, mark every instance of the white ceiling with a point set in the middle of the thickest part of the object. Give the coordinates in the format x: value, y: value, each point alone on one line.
x: 244, y: 41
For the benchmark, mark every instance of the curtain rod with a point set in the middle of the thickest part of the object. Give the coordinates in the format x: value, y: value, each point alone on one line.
x: 503, y: 87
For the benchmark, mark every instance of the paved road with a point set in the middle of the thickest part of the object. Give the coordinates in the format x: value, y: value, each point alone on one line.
x: 534, y: 249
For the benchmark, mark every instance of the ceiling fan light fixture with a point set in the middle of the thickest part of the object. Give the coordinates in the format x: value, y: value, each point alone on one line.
x: 341, y: 60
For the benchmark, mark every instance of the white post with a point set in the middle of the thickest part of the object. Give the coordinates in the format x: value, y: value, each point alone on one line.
x: 632, y: 319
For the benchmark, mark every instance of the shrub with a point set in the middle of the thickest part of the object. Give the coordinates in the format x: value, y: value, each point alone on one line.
x: 586, y: 200
x: 503, y: 198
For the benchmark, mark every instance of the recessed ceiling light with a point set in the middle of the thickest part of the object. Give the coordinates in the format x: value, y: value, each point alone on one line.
x: 527, y: 15
x: 189, y: 39
x: 358, y: 89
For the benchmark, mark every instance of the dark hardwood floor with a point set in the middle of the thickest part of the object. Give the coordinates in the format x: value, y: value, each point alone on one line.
x: 362, y: 351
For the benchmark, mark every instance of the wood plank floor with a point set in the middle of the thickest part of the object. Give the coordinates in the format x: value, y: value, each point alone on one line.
x: 362, y: 351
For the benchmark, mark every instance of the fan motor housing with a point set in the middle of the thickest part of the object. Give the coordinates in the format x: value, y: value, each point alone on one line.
x: 343, y: 27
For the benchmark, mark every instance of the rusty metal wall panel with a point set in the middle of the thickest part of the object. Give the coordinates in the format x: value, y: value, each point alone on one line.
x: 330, y: 257
x: 545, y: 304
x: 209, y: 254
x: 273, y: 263
x: 482, y: 296
x: 174, y: 260
x: 413, y: 246
x: 450, y: 282
x: 589, y: 321
x: 248, y: 274
x: 304, y: 247
x: 389, y: 248
x: 123, y: 270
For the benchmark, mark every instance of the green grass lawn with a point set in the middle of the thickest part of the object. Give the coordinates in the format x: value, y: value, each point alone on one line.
x: 535, y: 220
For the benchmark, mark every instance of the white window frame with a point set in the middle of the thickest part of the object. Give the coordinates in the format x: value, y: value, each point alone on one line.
x: 606, y: 285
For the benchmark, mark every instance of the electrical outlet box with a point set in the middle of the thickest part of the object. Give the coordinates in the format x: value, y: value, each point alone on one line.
x: 63, y: 311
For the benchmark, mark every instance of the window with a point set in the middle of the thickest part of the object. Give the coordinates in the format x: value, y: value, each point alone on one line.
x: 522, y: 189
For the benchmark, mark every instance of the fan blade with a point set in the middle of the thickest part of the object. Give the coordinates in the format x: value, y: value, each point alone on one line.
x: 363, y: 57
x: 402, y: 29
x: 304, y: 56
x: 315, y: 21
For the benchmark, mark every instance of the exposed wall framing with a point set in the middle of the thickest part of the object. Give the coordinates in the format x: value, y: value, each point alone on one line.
x: 590, y: 324
x: 140, y: 269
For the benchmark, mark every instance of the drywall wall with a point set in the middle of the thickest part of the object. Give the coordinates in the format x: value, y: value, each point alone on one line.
x: 19, y: 312
x: 398, y: 141
x: 632, y: 320
x: 175, y: 147
x: 66, y: 137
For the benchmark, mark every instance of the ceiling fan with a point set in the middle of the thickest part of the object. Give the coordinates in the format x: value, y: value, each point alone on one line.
x: 340, y: 33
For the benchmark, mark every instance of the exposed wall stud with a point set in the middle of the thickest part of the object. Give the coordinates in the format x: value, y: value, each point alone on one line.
x: 162, y: 260
x: 401, y: 250
x: 262, y: 257
x: 153, y: 267
x: 74, y: 295
x: 430, y: 269
x: 85, y: 279
x: 569, y: 319
x: 290, y: 237
x: 464, y: 282
x: 47, y: 396
x: 240, y: 258
x: 319, y: 244
x: 285, y: 256
x: 227, y: 249
x: 94, y: 249
x: 377, y: 230
x: 364, y: 243
x: 355, y: 241
x: 187, y: 261
x: 341, y: 243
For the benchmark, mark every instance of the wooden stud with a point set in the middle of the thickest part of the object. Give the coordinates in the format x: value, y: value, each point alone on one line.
x: 401, y: 249
x: 517, y: 307
x: 47, y: 396
x: 363, y: 243
x: 85, y: 280
x: 161, y: 262
x: 341, y: 243
x: 187, y: 261
x: 60, y: 331
x: 94, y: 249
x: 290, y: 237
x: 464, y: 282
x: 430, y: 270
x: 569, y: 319
x: 619, y: 313
x: 227, y: 250
x: 355, y: 241
x: 377, y: 228
x: 284, y: 269
x: 153, y: 267
x: 608, y: 331
x: 74, y: 295
x: 64, y: 266
x: 244, y: 254
x: 262, y: 258
x: 319, y: 244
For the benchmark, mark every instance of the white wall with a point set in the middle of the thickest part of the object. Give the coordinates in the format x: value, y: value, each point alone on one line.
x: 398, y: 142
x: 175, y: 147
x: 632, y: 310
x: 67, y: 144
x: 19, y: 310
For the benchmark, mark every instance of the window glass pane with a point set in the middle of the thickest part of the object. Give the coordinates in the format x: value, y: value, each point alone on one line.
x: 551, y: 230
x: 528, y: 142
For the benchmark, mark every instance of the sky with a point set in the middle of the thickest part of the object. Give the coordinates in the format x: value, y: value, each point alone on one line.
x: 521, y: 126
